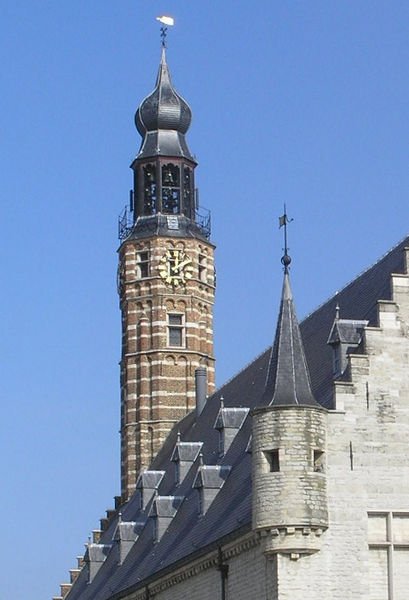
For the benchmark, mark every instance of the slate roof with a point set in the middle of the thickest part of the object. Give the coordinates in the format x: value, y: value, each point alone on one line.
x: 288, y: 380
x: 190, y: 534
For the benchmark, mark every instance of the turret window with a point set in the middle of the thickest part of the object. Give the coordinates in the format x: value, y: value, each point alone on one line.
x: 318, y: 461
x: 273, y: 460
x: 142, y: 265
x: 176, y: 330
x: 149, y: 190
x: 170, y: 189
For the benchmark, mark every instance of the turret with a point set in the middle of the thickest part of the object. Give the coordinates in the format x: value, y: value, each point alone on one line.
x: 288, y: 445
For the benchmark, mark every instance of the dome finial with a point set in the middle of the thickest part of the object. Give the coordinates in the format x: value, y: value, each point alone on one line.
x: 283, y: 221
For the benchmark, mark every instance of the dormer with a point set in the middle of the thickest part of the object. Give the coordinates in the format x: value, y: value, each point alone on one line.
x: 163, y: 510
x: 94, y: 558
x: 228, y: 422
x: 208, y: 481
x: 126, y: 534
x: 345, y: 335
x: 184, y: 455
x: 147, y: 484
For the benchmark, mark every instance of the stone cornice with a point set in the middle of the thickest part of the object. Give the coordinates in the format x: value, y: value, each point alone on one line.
x: 191, y: 568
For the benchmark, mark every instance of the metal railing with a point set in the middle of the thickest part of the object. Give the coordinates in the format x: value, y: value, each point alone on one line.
x: 126, y: 223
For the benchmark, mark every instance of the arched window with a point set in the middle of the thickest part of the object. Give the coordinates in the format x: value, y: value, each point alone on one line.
x: 170, y: 189
x: 149, y: 190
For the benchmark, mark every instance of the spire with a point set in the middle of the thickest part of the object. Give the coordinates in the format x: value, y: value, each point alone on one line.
x: 288, y: 380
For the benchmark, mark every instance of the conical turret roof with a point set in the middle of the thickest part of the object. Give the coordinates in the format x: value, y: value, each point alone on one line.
x: 288, y: 380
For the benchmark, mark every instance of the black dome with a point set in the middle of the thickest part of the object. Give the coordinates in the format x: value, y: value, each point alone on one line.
x: 163, y: 108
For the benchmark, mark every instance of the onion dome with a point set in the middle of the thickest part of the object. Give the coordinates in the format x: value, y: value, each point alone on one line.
x: 163, y: 118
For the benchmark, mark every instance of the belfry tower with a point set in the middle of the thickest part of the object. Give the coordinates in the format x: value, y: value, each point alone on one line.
x: 166, y: 282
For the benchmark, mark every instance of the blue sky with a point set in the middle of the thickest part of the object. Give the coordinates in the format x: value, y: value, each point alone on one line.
x: 302, y: 102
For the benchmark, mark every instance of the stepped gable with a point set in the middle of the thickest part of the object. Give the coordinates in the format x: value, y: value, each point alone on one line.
x: 357, y: 301
x: 229, y: 516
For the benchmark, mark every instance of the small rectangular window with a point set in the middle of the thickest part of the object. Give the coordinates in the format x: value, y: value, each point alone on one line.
x: 273, y: 460
x: 202, y: 267
x: 318, y: 461
x: 175, y: 330
x: 142, y: 265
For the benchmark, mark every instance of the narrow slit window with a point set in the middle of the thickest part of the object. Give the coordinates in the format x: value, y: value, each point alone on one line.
x: 202, y: 267
x: 318, y: 461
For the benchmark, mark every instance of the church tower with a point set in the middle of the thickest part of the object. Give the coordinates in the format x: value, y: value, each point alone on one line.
x: 166, y: 282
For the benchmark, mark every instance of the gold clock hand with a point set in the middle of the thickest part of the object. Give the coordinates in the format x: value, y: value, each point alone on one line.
x: 181, y: 265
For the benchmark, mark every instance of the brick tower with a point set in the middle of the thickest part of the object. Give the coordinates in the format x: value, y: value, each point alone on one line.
x: 166, y: 283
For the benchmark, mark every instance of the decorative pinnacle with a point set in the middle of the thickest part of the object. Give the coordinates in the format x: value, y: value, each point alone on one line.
x: 283, y: 221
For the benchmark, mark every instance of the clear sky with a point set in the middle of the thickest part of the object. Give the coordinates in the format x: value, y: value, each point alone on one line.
x: 302, y: 102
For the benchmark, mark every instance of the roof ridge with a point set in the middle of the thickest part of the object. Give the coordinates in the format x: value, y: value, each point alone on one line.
x: 237, y: 373
x: 360, y: 274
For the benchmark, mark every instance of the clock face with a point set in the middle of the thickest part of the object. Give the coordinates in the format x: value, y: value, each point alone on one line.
x: 175, y: 267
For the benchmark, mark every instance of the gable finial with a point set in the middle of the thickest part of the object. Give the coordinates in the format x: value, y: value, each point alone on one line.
x: 283, y: 221
x: 169, y: 21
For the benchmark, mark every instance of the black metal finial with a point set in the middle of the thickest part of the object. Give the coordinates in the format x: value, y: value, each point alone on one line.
x: 165, y: 20
x: 163, y: 34
x: 283, y: 221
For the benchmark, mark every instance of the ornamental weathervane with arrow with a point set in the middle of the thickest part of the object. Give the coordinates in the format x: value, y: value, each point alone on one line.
x: 165, y: 20
x: 283, y: 221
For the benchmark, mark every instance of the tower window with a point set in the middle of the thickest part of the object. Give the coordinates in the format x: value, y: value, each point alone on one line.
x: 318, y: 461
x: 187, y: 192
x: 176, y: 330
x: 142, y: 264
x: 202, y: 267
x: 273, y: 460
x: 170, y: 189
x: 149, y: 187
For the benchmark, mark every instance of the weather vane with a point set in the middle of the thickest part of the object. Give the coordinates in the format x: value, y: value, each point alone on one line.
x: 169, y: 21
x: 283, y: 221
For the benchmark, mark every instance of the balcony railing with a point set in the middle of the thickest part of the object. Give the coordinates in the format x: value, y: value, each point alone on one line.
x: 126, y: 222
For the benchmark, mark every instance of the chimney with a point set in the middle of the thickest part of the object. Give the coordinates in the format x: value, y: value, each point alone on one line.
x: 201, y: 389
